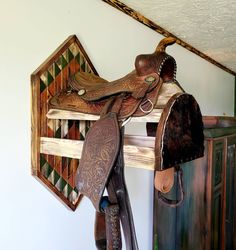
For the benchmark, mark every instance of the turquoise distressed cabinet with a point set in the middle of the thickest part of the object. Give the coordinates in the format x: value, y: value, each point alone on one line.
x: 230, y: 195
x: 206, y: 218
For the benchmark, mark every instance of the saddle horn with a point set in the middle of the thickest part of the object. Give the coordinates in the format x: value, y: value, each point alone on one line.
x: 161, y: 47
x: 158, y: 62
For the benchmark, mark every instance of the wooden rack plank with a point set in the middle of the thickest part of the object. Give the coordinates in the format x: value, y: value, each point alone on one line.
x: 137, y: 156
x: 154, y: 116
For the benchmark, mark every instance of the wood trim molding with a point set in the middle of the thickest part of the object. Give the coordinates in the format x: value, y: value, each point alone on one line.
x: 142, y: 19
x: 71, y: 39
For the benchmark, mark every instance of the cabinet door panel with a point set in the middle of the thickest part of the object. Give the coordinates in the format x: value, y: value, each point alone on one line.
x: 164, y: 235
x: 230, y: 193
x: 216, y: 221
x: 217, y: 193
x: 191, y: 217
x: 218, y: 162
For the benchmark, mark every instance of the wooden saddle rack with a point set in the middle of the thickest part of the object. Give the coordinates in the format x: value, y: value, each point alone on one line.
x: 179, y: 138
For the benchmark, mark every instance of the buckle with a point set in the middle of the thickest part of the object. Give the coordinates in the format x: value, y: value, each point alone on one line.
x: 143, y: 103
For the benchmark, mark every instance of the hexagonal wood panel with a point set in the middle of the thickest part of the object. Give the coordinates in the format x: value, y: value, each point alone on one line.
x: 57, y: 172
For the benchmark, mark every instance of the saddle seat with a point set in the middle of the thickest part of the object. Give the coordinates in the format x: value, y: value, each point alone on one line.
x: 90, y: 94
x: 86, y: 81
x: 93, y: 88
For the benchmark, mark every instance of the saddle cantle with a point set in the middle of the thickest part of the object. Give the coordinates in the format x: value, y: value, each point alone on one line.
x: 179, y: 137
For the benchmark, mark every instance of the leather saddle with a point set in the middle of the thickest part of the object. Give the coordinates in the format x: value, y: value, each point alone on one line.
x: 179, y: 136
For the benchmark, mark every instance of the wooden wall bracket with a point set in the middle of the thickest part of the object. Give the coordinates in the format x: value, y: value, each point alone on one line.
x: 57, y: 135
x: 57, y: 172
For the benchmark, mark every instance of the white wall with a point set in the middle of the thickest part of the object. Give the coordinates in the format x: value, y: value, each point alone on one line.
x: 30, y: 30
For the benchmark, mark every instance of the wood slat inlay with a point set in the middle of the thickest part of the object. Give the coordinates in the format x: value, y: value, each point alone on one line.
x: 135, y: 156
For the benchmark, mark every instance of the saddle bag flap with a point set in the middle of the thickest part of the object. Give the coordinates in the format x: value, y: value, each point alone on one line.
x: 99, y: 154
x: 179, y: 136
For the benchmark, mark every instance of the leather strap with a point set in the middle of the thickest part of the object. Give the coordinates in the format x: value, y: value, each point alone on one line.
x: 113, y: 233
x: 117, y: 195
x: 107, y: 227
x: 100, y: 231
x: 169, y: 202
x: 164, y: 180
x: 118, y: 183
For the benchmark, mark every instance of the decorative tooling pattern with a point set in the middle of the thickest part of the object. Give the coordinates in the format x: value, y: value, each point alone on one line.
x: 208, y: 26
